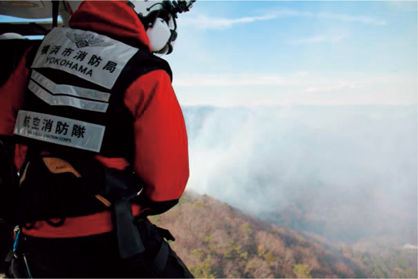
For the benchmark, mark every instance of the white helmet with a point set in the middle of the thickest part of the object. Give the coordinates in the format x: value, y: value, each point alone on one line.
x: 159, y: 20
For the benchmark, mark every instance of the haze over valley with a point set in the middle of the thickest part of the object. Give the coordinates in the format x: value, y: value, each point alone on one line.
x: 347, y: 173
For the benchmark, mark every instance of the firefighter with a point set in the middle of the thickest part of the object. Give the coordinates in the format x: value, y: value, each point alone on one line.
x: 101, y: 143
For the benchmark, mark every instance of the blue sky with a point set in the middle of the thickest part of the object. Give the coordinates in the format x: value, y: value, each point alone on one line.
x: 232, y: 53
x: 301, y: 52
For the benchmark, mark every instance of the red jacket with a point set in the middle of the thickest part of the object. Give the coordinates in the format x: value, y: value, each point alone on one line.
x: 161, y: 153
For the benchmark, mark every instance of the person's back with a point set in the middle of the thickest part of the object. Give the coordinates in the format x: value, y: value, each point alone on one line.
x: 101, y: 141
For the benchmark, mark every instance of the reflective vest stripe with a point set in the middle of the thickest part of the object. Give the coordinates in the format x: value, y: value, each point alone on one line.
x: 59, y: 100
x: 69, y: 89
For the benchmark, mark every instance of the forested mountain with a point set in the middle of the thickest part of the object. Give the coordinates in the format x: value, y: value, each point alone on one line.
x: 217, y: 240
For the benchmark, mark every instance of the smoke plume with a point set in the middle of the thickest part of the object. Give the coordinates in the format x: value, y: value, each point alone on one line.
x: 346, y: 172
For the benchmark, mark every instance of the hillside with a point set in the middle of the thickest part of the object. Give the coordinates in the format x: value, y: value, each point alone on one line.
x: 216, y: 240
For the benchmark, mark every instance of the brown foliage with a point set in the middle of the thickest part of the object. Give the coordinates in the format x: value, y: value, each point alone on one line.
x: 216, y: 240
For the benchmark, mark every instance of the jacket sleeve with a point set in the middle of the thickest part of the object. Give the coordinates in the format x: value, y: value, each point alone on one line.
x: 12, y: 95
x: 161, y: 151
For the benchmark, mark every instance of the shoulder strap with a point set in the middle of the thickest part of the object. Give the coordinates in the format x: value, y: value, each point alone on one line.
x: 142, y: 63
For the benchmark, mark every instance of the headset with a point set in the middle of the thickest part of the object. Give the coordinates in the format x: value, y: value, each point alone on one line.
x: 159, y: 20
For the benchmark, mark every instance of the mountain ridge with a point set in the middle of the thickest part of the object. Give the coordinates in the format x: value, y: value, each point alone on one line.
x: 218, y: 241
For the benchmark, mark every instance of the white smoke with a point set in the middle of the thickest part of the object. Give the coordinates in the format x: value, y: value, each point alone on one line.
x: 354, y: 165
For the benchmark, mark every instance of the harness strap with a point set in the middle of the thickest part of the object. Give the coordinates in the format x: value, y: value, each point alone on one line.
x: 121, y: 188
x: 160, y: 260
x: 155, y: 259
x: 130, y: 243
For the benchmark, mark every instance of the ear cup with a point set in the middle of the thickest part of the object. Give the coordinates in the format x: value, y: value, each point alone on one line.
x: 158, y: 35
x: 171, y: 47
x: 164, y: 50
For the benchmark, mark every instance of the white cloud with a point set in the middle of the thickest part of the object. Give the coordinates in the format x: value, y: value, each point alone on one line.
x: 332, y: 87
x: 349, y: 18
x: 403, y: 6
x: 209, y: 22
x: 215, y: 80
x: 206, y: 22
x: 302, y: 88
x: 311, y: 82
x: 325, y: 38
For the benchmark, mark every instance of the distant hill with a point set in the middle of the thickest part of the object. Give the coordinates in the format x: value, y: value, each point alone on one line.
x: 217, y: 240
